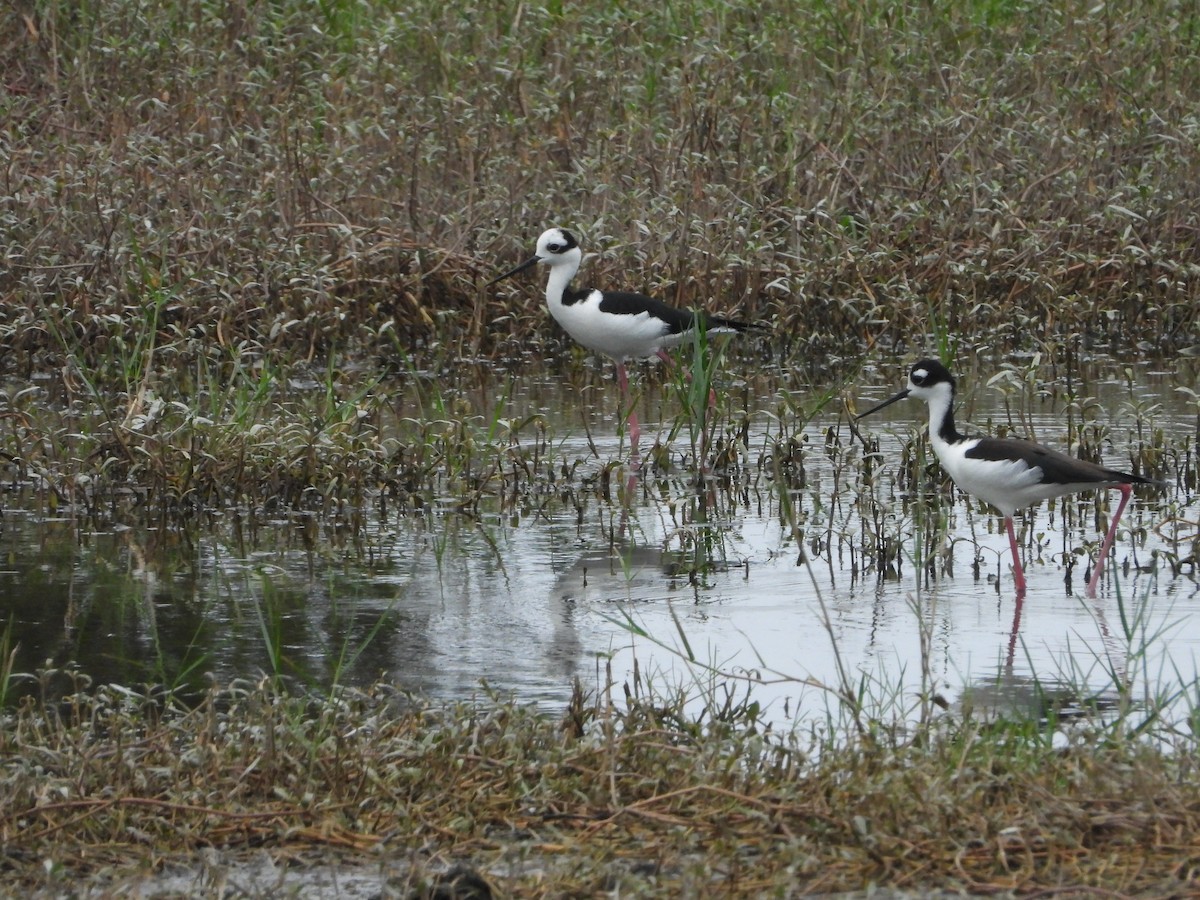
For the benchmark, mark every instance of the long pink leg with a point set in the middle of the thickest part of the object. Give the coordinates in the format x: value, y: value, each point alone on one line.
x: 1108, y: 539
x: 1018, y: 572
x: 635, y: 430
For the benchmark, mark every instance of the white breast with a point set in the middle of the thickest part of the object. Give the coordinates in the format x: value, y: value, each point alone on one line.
x: 624, y: 336
x: 1008, y: 485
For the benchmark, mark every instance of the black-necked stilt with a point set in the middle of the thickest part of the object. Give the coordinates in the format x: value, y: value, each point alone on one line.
x: 619, y: 324
x: 1006, y: 472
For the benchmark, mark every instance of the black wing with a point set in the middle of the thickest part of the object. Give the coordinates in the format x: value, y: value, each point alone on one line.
x: 676, y: 320
x: 627, y: 303
x: 1057, y: 467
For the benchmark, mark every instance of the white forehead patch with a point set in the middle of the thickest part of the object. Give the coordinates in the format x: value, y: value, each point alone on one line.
x: 555, y: 241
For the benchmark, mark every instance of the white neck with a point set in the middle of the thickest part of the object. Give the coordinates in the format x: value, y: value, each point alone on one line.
x: 560, y: 277
x: 941, y: 405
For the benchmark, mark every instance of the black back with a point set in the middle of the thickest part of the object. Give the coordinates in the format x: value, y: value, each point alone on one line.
x: 1057, y: 467
x: 628, y: 303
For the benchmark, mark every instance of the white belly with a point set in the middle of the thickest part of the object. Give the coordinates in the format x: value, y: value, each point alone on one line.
x: 1008, y: 485
x: 624, y: 336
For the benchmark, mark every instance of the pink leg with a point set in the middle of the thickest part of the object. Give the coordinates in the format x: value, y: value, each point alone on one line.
x: 1018, y: 572
x: 635, y: 430
x: 1108, y: 539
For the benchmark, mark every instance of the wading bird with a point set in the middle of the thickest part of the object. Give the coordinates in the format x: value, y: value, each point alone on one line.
x: 619, y: 324
x: 1008, y: 473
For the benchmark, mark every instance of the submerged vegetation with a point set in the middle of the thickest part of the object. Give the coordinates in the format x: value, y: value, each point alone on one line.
x: 242, y: 284
x: 205, y: 205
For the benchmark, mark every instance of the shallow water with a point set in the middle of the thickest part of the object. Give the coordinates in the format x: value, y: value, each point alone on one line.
x: 651, y: 580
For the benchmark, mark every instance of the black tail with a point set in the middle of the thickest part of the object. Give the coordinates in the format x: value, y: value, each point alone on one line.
x: 711, y: 322
x: 1130, y: 478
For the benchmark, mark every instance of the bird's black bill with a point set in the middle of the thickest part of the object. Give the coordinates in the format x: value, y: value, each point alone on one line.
x: 521, y: 268
x: 900, y: 396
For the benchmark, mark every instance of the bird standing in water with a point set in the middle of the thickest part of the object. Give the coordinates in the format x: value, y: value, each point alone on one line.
x: 620, y: 324
x: 1007, y: 472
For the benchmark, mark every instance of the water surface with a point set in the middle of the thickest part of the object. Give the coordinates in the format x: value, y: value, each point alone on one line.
x: 768, y: 577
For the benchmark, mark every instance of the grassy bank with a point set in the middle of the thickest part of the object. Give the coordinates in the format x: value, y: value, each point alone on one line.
x: 637, y: 798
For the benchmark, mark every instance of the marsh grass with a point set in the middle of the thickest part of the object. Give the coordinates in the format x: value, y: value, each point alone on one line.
x: 855, y: 174
x: 691, y: 780
x: 189, y: 231
x: 110, y: 784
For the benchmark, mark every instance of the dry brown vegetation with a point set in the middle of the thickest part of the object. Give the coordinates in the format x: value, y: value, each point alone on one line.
x: 642, y: 802
x: 299, y: 181
x: 202, y: 205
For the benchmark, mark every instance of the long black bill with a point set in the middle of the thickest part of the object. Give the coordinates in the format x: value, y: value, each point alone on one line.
x: 521, y: 268
x: 900, y: 396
